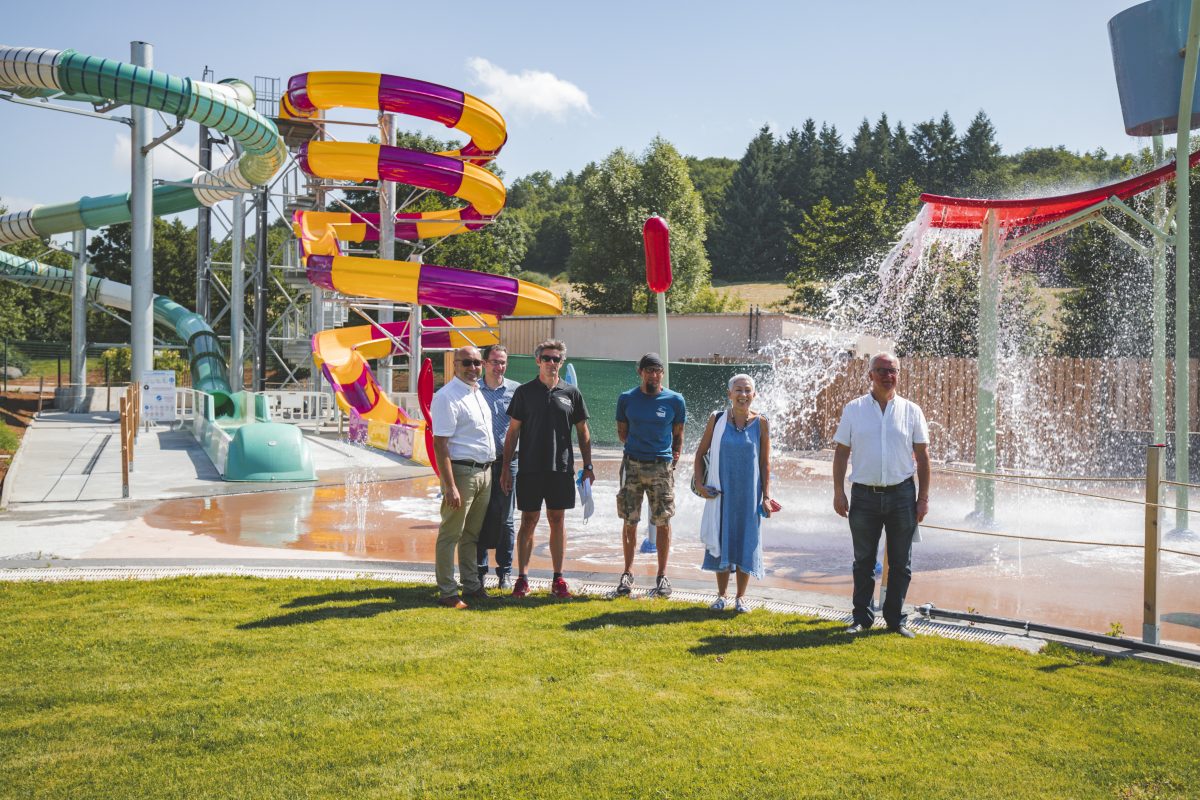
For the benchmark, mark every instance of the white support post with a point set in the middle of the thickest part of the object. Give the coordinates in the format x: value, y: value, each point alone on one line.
x: 1158, y: 355
x: 79, y: 323
x: 387, y: 241
x: 141, y: 333
x: 662, y: 339
x: 237, y: 291
x: 987, y: 366
x: 1183, y: 268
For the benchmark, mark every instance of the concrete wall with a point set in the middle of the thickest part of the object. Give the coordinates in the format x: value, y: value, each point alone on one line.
x: 624, y: 336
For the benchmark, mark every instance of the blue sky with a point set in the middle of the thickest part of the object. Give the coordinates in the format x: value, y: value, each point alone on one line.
x: 575, y: 80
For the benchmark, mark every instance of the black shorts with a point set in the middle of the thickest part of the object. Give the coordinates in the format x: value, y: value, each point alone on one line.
x: 555, y: 489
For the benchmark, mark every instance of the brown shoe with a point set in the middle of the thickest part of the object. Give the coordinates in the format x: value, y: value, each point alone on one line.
x: 478, y: 594
x: 451, y: 601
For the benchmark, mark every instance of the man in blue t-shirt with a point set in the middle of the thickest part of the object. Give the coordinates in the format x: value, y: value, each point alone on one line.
x: 650, y: 422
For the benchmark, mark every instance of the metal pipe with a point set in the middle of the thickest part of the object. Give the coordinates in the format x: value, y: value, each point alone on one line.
x: 79, y: 285
x: 237, y: 292
x: 929, y: 611
x: 985, y: 399
x: 1183, y: 266
x: 262, y: 275
x: 141, y: 333
x: 387, y: 242
x: 203, y: 232
x: 1158, y: 312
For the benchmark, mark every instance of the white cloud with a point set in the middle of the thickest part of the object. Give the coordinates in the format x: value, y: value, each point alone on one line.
x: 532, y: 92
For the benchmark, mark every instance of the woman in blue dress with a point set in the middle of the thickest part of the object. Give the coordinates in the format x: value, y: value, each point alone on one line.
x: 737, y: 490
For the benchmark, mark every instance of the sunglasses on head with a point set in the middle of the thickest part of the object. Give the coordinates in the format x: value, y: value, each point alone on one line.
x: 470, y: 362
x: 551, y: 359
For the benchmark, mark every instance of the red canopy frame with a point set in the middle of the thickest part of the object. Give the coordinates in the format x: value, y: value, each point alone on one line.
x: 967, y: 212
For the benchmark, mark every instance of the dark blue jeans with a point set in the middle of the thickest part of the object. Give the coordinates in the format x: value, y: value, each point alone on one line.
x: 871, y: 513
x: 498, y: 532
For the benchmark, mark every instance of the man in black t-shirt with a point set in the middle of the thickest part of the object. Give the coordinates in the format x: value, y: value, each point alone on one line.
x: 542, y: 413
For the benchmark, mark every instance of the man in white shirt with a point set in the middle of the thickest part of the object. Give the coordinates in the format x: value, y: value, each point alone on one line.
x: 885, y: 439
x: 464, y: 449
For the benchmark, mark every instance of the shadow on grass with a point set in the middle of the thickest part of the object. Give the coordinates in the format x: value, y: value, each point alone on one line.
x: 793, y: 640
x: 372, y: 602
x: 640, y: 618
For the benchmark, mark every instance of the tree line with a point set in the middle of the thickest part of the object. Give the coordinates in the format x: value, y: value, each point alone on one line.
x: 805, y: 207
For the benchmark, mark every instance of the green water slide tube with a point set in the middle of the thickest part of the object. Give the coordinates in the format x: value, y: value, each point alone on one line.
x: 257, y: 450
x: 227, y: 107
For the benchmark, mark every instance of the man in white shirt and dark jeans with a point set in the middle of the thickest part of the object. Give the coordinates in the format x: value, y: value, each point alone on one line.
x: 465, y: 450
x: 885, y: 439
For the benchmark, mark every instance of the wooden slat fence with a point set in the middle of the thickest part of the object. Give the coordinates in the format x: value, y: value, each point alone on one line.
x: 1052, y: 413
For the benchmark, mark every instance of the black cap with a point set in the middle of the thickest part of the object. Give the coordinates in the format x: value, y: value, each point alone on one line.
x: 649, y: 361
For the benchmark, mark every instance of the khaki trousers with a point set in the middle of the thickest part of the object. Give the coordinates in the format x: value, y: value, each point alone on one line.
x: 460, y: 530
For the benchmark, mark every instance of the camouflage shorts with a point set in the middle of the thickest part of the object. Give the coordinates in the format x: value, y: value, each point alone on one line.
x: 656, y: 480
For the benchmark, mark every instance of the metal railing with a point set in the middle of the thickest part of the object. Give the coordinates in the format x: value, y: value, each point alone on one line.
x: 1152, y: 548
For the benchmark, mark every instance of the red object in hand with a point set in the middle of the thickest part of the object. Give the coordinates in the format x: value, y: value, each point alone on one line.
x: 657, y: 241
x: 425, y: 399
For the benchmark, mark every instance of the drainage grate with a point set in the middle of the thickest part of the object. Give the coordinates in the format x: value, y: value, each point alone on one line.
x: 60, y: 574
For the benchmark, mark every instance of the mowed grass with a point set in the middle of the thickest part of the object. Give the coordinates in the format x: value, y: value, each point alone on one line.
x: 229, y: 687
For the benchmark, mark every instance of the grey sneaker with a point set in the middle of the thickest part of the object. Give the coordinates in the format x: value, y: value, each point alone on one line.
x: 662, y: 587
x: 741, y: 606
x: 720, y: 604
x: 625, y: 585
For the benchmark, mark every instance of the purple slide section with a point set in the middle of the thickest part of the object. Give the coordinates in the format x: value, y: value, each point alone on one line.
x: 419, y: 168
x: 406, y: 224
x: 320, y: 271
x: 420, y: 99
x: 460, y: 288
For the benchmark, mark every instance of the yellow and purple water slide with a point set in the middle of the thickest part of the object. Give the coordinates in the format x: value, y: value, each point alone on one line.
x: 343, y: 354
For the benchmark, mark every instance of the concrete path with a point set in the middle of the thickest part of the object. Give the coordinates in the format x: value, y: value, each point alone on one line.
x: 73, y: 458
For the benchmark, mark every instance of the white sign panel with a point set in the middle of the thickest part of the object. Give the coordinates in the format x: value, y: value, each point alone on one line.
x: 158, y: 395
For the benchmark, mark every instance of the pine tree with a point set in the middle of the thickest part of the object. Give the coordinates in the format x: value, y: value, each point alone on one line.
x: 748, y: 238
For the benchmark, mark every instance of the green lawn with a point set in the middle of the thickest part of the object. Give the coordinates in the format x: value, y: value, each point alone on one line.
x: 231, y: 687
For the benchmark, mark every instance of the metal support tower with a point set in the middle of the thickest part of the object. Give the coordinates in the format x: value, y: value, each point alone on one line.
x: 79, y: 278
x: 387, y: 240
x: 141, y: 334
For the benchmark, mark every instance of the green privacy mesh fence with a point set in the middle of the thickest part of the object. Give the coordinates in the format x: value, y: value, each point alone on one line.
x: 703, y: 386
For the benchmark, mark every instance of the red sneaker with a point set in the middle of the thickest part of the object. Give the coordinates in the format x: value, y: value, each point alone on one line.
x: 559, y: 589
x: 521, y: 587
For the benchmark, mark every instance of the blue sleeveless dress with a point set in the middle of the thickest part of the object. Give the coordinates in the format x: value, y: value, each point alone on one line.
x: 741, y: 544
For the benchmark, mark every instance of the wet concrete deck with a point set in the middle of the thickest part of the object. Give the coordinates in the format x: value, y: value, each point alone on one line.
x: 377, y: 508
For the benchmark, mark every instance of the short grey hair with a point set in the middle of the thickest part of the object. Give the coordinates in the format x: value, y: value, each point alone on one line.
x: 494, y: 348
x: 550, y: 344
x: 741, y: 376
x: 885, y: 354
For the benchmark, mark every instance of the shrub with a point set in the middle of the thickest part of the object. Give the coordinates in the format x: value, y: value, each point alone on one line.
x: 174, y: 360
x: 118, y: 360
x: 540, y: 278
x: 17, y: 359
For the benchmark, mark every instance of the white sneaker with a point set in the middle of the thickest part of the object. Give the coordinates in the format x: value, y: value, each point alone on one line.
x: 741, y: 606
x: 719, y: 604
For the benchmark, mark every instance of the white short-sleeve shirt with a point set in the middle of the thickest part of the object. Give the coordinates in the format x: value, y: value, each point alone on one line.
x: 461, y: 414
x: 881, y: 441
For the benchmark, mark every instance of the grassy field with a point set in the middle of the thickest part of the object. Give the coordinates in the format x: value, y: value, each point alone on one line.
x: 230, y: 687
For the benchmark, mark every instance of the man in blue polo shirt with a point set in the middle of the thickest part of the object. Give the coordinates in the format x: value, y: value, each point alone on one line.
x: 650, y: 422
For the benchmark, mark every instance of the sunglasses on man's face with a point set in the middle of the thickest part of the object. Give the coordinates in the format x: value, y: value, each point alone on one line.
x: 551, y: 359
x: 470, y: 362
